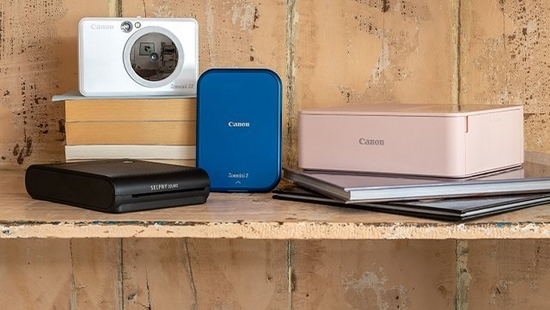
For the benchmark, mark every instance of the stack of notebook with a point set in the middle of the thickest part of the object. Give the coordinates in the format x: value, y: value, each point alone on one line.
x: 432, y: 197
x: 156, y: 128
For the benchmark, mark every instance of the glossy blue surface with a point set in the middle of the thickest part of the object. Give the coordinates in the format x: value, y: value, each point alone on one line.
x: 239, y: 115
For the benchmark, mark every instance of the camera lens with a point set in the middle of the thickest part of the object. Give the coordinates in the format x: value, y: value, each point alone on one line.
x: 154, y: 57
x: 126, y: 26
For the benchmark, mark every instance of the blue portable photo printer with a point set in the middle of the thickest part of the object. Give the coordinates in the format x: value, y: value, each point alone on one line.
x: 239, y: 115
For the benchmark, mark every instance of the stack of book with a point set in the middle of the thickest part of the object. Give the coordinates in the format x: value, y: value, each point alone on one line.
x: 159, y: 128
x: 423, y: 196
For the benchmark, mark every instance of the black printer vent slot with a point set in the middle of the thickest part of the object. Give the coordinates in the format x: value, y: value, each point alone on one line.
x: 187, y: 190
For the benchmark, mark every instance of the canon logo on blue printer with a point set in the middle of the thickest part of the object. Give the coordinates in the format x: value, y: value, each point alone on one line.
x: 238, y: 124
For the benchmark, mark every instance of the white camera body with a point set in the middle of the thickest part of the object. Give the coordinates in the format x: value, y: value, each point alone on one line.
x: 138, y: 56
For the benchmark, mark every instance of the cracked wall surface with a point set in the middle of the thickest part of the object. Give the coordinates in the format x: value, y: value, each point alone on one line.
x: 504, y: 59
x: 326, y: 52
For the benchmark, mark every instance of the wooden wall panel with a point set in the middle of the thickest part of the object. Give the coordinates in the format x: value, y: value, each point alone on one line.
x: 373, y: 274
x: 156, y: 275
x: 240, y: 274
x: 262, y: 274
x: 35, y: 274
x: 60, y: 274
x: 512, y: 274
x: 504, y: 59
x: 143, y: 273
x: 96, y: 273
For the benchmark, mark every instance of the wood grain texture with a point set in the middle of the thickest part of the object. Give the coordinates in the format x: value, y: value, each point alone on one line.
x: 263, y: 274
x: 240, y: 274
x: 60, y: 274
x: 143, y: 274
x: 156, y: 275
x: 36, y: 274
x: 96, y: 273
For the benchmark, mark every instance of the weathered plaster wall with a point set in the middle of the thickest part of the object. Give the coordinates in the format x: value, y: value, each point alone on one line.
x: 327, y: 53
x: 504, y: 49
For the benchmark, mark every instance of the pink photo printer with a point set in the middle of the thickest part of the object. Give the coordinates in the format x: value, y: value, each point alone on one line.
x: 421, y: 139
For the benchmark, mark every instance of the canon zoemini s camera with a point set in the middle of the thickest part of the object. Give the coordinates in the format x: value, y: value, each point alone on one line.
x: 138, y: 56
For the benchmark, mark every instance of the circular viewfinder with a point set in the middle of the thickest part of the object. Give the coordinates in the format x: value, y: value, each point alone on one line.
x: 154, y: 57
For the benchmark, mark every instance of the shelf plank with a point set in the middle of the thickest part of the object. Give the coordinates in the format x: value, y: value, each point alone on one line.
x: 247, y: 216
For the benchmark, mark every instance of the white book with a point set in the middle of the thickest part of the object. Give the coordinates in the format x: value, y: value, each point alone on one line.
x: 77, y: 152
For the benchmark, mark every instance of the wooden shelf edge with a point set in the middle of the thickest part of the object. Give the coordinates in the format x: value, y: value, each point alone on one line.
x: 277, y: 231
x: 250, y: 216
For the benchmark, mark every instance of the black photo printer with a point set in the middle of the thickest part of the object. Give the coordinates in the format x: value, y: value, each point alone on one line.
x: 119, y: 185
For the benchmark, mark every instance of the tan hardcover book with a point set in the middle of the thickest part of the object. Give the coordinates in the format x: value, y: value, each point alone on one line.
x: 130, y: 109
x: 145, y: 132
x: 100, y: 151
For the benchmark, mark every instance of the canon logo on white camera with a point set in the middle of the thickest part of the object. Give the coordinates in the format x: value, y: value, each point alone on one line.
x: 102, y: 27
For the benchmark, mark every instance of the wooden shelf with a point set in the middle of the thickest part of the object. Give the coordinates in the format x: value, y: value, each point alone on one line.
x: 247, y: 216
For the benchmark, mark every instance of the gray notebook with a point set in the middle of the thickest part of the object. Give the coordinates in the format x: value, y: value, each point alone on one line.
x: 354, y: 188
x: 450, y: 209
